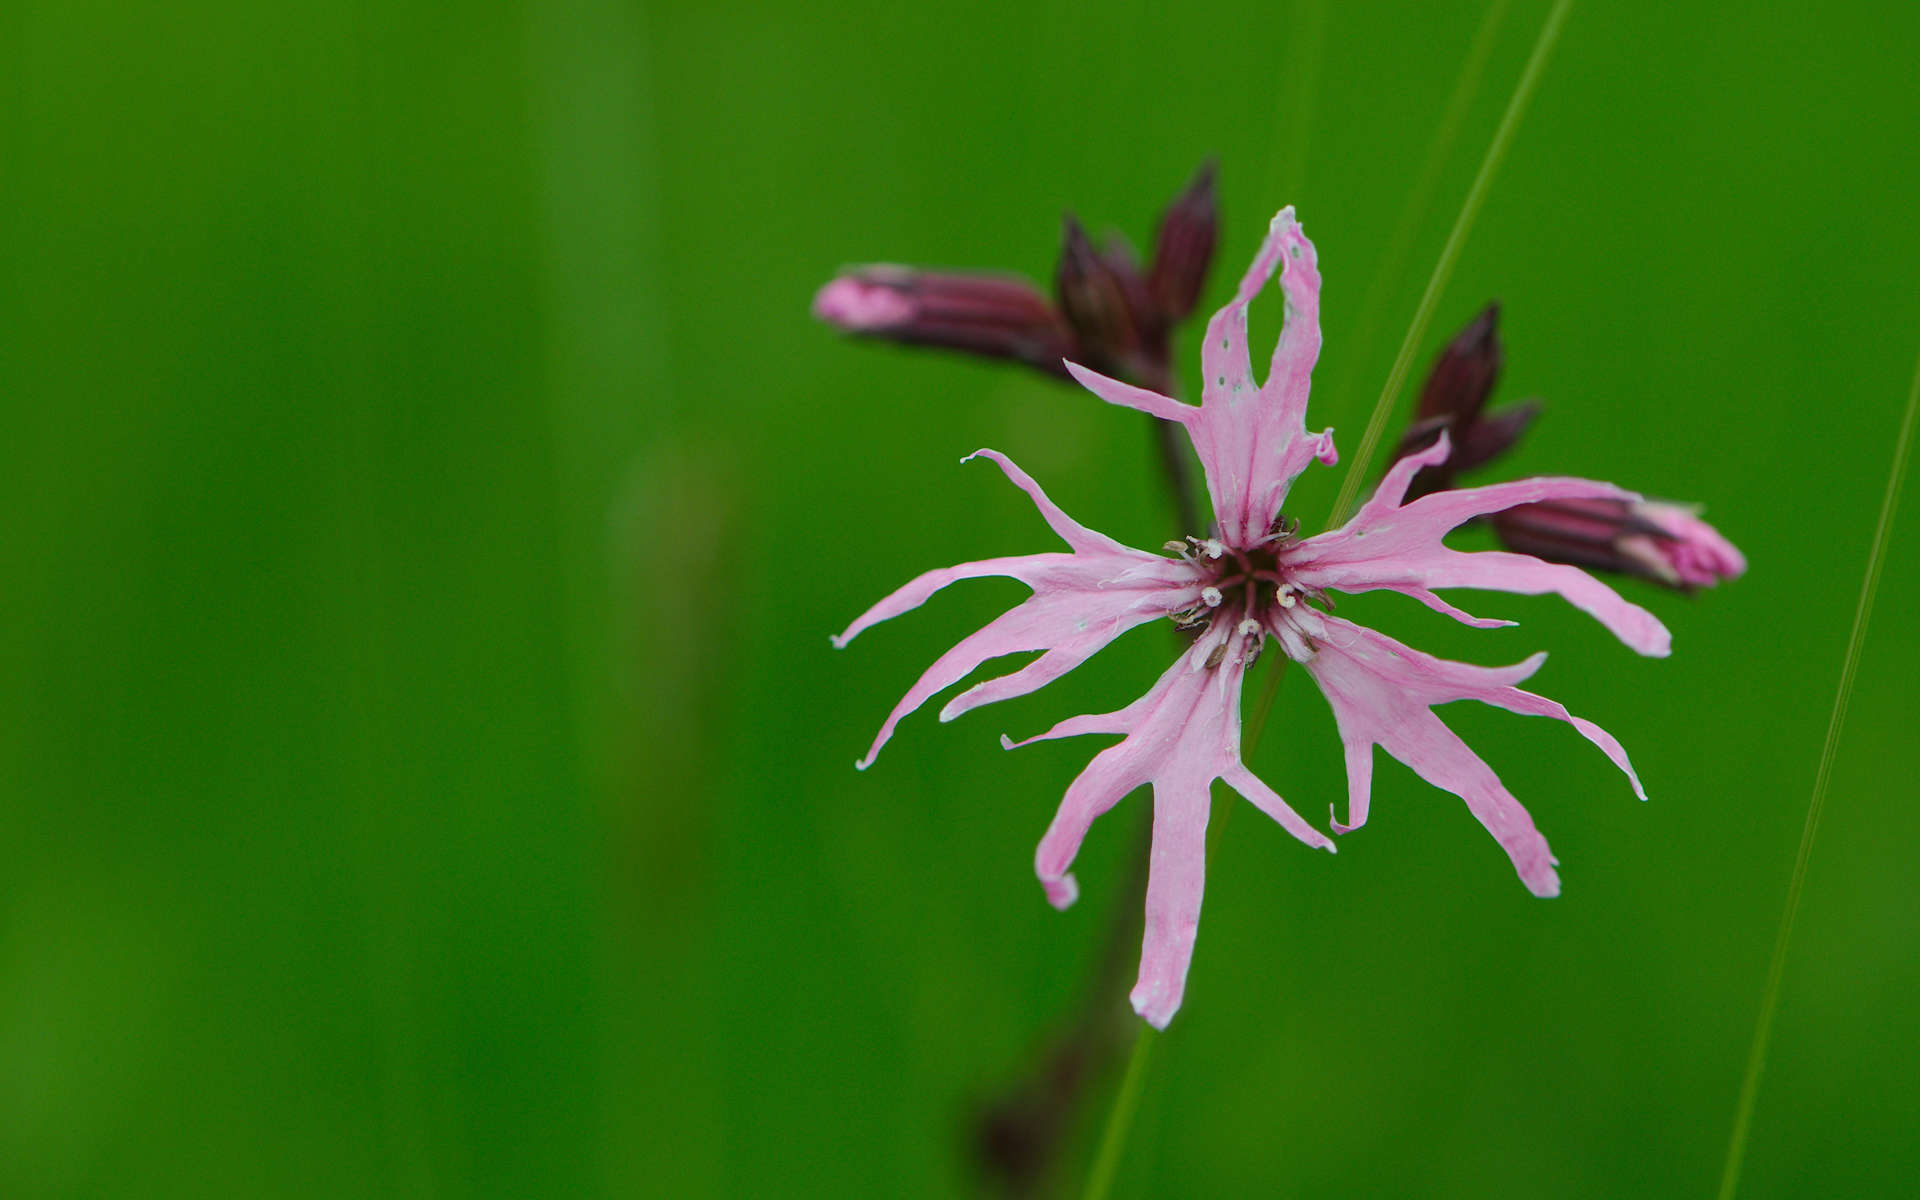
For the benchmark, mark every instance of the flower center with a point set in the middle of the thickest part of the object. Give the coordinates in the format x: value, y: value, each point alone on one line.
x: 1246, y: 586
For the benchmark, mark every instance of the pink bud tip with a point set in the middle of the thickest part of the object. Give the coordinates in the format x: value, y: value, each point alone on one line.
x: 1696, y: 552
x: 857, y: 304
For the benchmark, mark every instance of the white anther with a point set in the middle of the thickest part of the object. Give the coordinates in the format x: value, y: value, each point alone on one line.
x: 1214, y: 547
x: 1210, y: 597
x: 1247, y: 628
x: 1287, y: 595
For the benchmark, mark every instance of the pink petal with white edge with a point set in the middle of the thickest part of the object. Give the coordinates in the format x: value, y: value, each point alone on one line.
x: 1399, y: 547
x: 1081, y: 601
x: 1181, y: 736
x: 1382, y: 693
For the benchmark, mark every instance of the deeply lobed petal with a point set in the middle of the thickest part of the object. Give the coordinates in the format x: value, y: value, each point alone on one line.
x: 1399, y: 546
x: 1179, y: 737
x: 1081, y: 601
x: 1252, y: 439
x: 1383, y: 693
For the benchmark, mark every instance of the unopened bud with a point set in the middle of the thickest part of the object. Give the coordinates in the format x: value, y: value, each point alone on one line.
x: 1666, y: 543
x: 1100, y: 295
x: 1464, y: 374
x: 1183, y: 251
x: 991, y: 315
x: 1456, y: 392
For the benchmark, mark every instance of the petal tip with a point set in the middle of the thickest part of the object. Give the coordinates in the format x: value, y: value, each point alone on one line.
x: 1327, y: 453
x: 1152, y: 1009
x: 1062, y: 891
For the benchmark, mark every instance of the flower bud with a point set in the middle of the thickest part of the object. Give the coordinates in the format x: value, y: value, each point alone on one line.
x: 1183, y: 251
x: 1454, y: 396
x: 1105, y: 301
x: 992, y: 315
x: 1666, y: 543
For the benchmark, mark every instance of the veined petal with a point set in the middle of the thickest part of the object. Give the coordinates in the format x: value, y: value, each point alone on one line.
x: 1253, y: 440
x: 1097, y: 563
x: 1071, y: 624
x: 1072, y: 532
x: 1080, y: 602
x: 1399, y: 547
x: 1029, y: 569
x: 1383, y: 693
x: 1180, y: 737
x: 1268, y: 801
x: 1438, y: 755
x: 1128, y: 396
x: 1176, y: 880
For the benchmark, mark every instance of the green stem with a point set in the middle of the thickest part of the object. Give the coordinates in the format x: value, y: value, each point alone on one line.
x: 1777, y: 966
x: 1414, y: 212
x: 1119, y: 1119
x: 1450, y: 253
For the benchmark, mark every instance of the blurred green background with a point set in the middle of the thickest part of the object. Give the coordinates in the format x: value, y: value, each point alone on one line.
x: 426, y: 500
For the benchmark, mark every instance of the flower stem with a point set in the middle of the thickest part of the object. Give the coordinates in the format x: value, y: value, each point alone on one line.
x: 1450, y: 253
x: 1119, y: 1119
x: 1171, y: 442
x: 1776, y: 967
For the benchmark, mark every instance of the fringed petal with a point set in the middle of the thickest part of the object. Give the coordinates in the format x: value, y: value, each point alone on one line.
x: 1180, y: 737
x: 1072, y: 532
x: 1399, y: 547
x: 1383, y: 693
x: 1251, y: 439
x: 1128, y: 396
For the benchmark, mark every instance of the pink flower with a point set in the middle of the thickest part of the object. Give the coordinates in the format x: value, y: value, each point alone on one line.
x: 1253, y: 580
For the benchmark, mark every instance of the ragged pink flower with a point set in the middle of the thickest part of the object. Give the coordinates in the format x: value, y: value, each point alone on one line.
x: 1254, y: 579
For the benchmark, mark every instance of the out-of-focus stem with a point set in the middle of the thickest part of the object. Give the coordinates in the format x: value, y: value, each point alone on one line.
x: 1171, y: 439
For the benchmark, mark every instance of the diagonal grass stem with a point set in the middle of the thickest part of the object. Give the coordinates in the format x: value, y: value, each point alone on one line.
x: 1450, y: 253
x: 1777, y: 966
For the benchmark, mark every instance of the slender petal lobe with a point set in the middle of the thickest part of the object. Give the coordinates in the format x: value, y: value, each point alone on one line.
x: 1383, y: 694
x: 1180, y: 737
x: 1391, y: 545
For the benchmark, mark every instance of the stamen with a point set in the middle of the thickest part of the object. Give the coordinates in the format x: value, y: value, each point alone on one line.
x: 1211, y: 597
x: 1247, y: 628
x: 1288, y: 595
